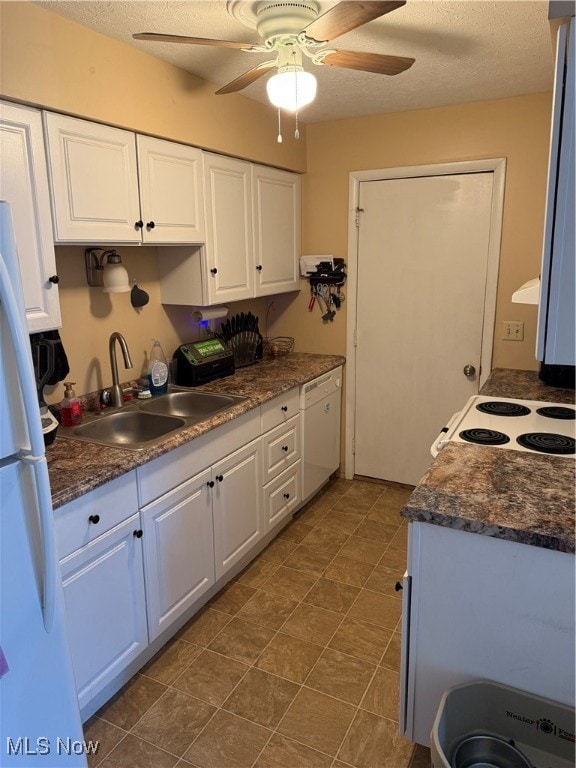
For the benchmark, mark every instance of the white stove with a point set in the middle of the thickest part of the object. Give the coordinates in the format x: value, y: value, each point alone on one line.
x: 520, y: 425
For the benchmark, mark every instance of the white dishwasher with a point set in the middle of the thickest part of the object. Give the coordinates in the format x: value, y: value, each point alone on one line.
x: 320, y: 422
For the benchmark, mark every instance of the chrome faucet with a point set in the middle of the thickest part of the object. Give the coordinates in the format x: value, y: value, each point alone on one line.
x: 116, y: 392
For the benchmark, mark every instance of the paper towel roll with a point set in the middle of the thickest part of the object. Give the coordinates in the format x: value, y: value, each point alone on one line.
x: 209, y: 313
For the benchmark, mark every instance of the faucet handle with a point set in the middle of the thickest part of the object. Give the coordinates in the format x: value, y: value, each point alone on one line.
x: 106, y: 397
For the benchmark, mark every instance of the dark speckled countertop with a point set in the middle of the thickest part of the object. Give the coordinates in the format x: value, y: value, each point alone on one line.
x: 78, y: 467
x: 522, y: 497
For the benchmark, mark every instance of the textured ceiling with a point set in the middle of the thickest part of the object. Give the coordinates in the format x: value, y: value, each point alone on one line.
x: 467, y: 50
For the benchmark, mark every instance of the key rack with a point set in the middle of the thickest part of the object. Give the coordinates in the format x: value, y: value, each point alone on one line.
x: 325, y: 285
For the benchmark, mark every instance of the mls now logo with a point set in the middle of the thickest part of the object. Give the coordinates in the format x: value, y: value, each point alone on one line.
x: 23, y: 745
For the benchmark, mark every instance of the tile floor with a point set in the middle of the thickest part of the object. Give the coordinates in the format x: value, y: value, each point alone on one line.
x: 294, y: 664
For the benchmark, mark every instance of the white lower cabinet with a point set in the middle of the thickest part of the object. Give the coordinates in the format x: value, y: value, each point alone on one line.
x: 237, y: 506
x: 105, y: 606
x: 140, y: 552
x: 178, y: 550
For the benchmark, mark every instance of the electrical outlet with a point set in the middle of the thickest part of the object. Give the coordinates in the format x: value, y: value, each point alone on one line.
x: 513, y: 330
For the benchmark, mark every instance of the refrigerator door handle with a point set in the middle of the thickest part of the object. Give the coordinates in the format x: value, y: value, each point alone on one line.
x: 34, y: 455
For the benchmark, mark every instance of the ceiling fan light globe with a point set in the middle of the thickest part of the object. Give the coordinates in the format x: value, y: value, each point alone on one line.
x: 291, y: 90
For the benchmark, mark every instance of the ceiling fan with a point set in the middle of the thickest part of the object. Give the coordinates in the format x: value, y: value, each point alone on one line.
x: 292, y: 30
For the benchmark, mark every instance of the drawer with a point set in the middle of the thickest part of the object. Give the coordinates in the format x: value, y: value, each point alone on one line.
x: 84, y: 519
x: 282, y: 496
x: 280, y: 410
x: 280, y: 448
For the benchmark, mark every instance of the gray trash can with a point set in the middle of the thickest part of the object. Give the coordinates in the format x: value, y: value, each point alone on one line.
x: 488, y: 725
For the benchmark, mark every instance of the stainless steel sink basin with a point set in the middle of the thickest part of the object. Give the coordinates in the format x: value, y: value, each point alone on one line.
x: 194, y: 406
x: 126, y: 429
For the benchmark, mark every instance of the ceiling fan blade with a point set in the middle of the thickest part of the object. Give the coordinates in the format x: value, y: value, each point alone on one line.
x: 155, y: 37
x: 246, y: 79
x: 368, y: 62
x: 348, y: 15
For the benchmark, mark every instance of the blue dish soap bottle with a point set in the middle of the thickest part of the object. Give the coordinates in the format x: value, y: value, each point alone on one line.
x: 157, y: 370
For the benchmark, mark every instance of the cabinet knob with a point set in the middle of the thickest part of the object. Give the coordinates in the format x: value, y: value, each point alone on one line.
x: 138, y: 533
x: 284, y: 408
x: 210, y: 483
x: 54, y: 279
x: 150, y: 225
x: 286, y: 495
x: 285, y: 448
x: 95, y: 519
x: 398, y: 586
x: 219, y: 478
x: 214, y: 271
x: 259, y: 267
x: 139, y: 224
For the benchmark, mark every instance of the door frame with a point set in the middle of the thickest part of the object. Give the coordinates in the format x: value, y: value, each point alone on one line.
x: 495, y: 165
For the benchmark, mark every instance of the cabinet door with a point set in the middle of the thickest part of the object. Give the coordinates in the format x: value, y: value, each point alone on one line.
x: 94, y: 181
x: 276, y: 210
x: 237, y: 506
x: 229, y: 243
x: 105, y: 607
x: 171, y: 199
x: 24, y: 184
x: 178, y: 551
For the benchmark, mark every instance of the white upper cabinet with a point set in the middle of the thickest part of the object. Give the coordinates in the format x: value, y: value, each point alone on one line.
x: 24, y: 184
x: 276, y: 211
x: 229, y: 247
x: 95, y: 185
x: 171, y: 199
x: 252, y: 237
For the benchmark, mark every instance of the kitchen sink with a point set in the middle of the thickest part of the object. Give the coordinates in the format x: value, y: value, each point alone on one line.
x: 194, y: 406
x: 141, y: 425
x: 126, y: 429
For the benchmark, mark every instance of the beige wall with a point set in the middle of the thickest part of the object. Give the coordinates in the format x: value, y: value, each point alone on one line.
x: 516, y: 128
x: 89, y: 316
x: 54, y: 63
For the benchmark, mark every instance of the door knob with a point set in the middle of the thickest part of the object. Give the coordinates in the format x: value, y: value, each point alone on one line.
x: 469, y: 370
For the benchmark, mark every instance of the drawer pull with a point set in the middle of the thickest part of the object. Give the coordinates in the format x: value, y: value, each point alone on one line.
x: 138, y: 533
x: 398, y: 586
x: 95, y: 519
x: 214, y: 271
x: 219, y: 478
x: 150, y: 225
x: 285, y: 448
x: 210, y: 483
x: 284, y: 408
x: 138, y: 224
x: 286, y: 495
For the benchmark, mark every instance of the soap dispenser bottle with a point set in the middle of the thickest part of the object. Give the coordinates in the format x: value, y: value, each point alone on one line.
x: 70, y: 408
x: 157, y: 370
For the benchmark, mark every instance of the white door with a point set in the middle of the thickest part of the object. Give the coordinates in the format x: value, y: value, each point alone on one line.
x: 423, y: 247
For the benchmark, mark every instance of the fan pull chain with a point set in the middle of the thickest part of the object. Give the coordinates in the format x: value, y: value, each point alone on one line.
x: 297, y: 130
x: 279, y: 139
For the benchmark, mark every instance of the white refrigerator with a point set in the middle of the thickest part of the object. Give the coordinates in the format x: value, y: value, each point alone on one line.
x: 39, y: 716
